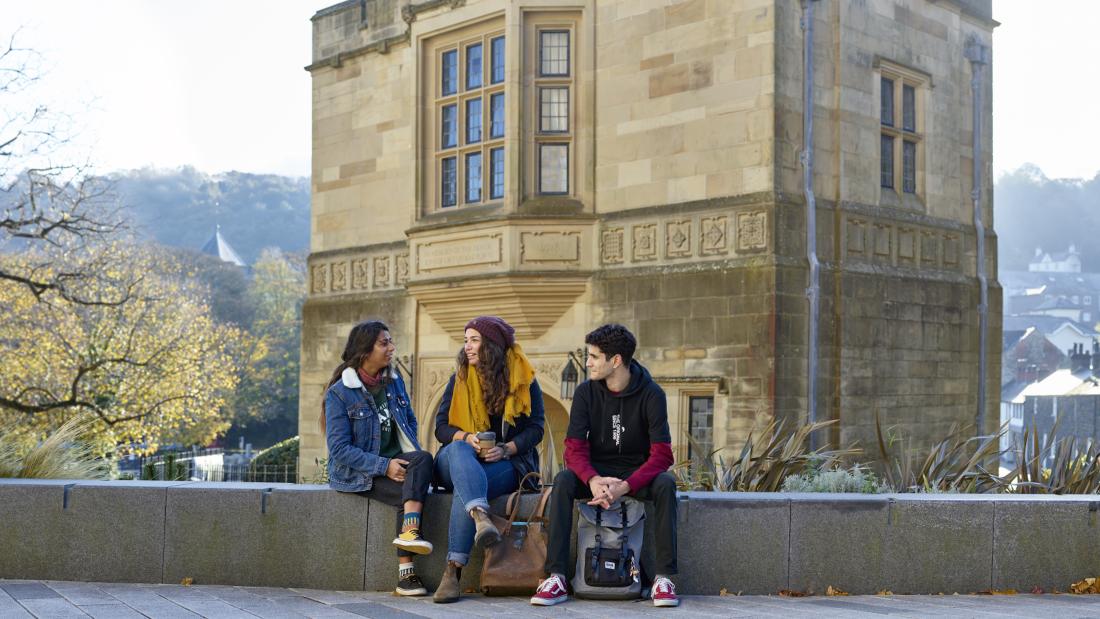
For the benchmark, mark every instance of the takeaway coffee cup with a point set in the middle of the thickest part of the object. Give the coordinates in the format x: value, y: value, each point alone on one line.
x: 486, y: 441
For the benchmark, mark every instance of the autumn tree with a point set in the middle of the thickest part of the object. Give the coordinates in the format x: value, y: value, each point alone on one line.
x: 91, y: 324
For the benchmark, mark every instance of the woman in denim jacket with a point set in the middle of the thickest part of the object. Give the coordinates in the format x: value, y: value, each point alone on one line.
x: 493, y: 390
x: 371, y: 433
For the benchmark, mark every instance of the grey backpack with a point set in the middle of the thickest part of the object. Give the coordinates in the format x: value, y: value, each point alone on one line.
x: 609, y: 551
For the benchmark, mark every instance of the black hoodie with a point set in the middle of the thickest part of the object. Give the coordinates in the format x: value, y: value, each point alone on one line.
x: 619, y: 427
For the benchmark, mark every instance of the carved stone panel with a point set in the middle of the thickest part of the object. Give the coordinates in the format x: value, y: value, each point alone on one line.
x: 339, y: 276
x: 450, y: 253
x: 360, y: 274
x: 645, y: 242
x: 402, y: 269
x: 883, y: 240
x: 713, y: 235
x: 907, y: 250
x: 549, y: 247
x: 678, y: 238
x: 855, y: 231
x: 929, y: 248
x: 950, y: 250
x: 611, y: 246
x: 318, y: 278
x: 752, y: 231
x: 382, y: 272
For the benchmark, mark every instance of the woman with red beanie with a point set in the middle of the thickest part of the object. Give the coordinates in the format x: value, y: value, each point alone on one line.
x: 492, y: 390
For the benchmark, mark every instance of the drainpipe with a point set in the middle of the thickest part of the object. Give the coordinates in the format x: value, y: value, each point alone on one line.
x: 979, y: 56
x: 807, y: 160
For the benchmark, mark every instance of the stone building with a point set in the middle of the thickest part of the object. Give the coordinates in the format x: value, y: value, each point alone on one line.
x: 565, y: 163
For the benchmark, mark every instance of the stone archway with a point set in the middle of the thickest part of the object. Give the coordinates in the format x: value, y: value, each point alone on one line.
x: 552, y: 449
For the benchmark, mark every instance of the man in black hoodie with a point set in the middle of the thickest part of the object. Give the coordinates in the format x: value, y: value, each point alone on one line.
x: 618, y: 443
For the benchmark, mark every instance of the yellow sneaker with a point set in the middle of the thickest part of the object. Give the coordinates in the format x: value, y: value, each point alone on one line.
x: 411, y: 541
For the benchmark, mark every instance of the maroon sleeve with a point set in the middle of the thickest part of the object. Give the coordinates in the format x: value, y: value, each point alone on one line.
x: 578, y: 458
x: 660, y: 458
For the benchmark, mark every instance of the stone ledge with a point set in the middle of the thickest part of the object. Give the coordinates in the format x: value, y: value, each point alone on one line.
x: 288, y: 535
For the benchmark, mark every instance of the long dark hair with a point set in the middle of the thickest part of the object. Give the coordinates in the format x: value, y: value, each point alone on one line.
x: 492, y: 372
x: 361, y: 342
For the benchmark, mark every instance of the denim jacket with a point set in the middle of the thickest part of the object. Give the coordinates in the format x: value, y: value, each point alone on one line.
x: 354, y: 430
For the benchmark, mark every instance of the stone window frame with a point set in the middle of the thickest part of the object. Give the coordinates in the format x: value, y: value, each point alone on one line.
x: 679, y: 394
x: 435, y: 152
x: 907, y: 139
x: 538, y: 23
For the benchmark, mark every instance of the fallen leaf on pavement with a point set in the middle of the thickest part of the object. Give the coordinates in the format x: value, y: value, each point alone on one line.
x: 831, y: 591
x: 885, y: 592
x: 187, y: 580
x: 788, y: 593
x: 1088, y: 585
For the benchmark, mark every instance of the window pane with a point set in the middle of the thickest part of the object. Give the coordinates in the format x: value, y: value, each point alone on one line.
x: 473, y: 66
x: 473, y: 121
x: 908, y: 108
x: 473, y: 177
x: 553, y: 53
x: 497, y: 51
x: 496, y: 170
x: 909, y: 167
x: 450, y: 72
x: 887, y: 164
x: 701, y: 428
x: 450, y: 181
x: 554, y: 168
x: 496, y: 115
x: 554, y: 109
x: 887, y: 102
x: 450, y: 126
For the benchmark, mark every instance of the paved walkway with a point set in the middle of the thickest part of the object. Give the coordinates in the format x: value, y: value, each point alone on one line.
x: 27, y: 598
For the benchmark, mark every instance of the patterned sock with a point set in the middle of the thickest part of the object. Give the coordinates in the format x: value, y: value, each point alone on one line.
x: 405, y: 569
x: 411, y: 521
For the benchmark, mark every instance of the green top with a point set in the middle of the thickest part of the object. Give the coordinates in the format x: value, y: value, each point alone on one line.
x: 389, y: 446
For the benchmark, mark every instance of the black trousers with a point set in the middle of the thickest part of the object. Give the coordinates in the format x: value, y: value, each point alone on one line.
x: 660, y: 532
x: 415, y: 487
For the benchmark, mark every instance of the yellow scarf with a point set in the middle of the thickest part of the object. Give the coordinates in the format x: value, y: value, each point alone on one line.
x: 468, y: 410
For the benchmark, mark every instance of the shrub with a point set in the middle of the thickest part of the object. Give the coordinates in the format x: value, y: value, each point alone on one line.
x: 856, y: 479
x: 280, y: 454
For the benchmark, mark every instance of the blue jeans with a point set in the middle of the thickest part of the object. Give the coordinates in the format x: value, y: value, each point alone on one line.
x: 474, y: 484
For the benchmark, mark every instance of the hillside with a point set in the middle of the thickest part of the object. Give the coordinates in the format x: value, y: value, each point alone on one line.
x: 181, y: 207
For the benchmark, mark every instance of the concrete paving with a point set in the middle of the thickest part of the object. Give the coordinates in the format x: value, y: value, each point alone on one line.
x: 32, y: 598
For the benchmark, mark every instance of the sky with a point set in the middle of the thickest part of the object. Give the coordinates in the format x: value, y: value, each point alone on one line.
x: 219, y: 84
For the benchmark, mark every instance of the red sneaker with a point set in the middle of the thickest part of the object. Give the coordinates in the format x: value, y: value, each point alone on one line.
x: 551, y: 591
x: 664, y: 593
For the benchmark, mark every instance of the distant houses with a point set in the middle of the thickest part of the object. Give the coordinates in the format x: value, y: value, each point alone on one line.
x: 1051, y: 353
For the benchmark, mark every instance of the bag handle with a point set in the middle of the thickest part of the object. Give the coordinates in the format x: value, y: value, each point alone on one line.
x: 539, y: 511
x: 513, y: 500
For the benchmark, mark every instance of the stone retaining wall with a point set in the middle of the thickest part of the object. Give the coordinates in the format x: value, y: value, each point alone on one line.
x: 287, y: 535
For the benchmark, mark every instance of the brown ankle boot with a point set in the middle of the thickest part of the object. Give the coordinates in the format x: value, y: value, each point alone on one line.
x: 448, y: 590
x: 487, y: 533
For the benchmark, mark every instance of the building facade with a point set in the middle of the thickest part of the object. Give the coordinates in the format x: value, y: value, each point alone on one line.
x: 566, y: 163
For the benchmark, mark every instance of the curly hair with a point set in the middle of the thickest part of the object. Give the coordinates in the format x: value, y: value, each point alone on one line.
x: 613, y: 339
x: 361, y: 341
x: 492, y: 372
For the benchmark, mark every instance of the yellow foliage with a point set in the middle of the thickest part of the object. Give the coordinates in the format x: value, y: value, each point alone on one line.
x: 152, y: 370
x: 1088, y: 585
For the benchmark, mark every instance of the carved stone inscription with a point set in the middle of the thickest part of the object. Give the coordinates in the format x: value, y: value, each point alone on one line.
x: 645, y: 242
x: 752, y: 231
x: 712, y: 235
x: 459, y: 252
x: 549, y: 247
x: 611, y: 246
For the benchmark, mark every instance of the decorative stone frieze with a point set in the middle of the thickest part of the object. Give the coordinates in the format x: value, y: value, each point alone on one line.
x: 361, y: 272
x: 903, y: 244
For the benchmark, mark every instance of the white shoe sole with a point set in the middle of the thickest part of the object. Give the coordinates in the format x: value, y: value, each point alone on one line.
x: 421, y: 547
x: 548, y: 602
x: 411, y: 592
x: 666, y: 603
